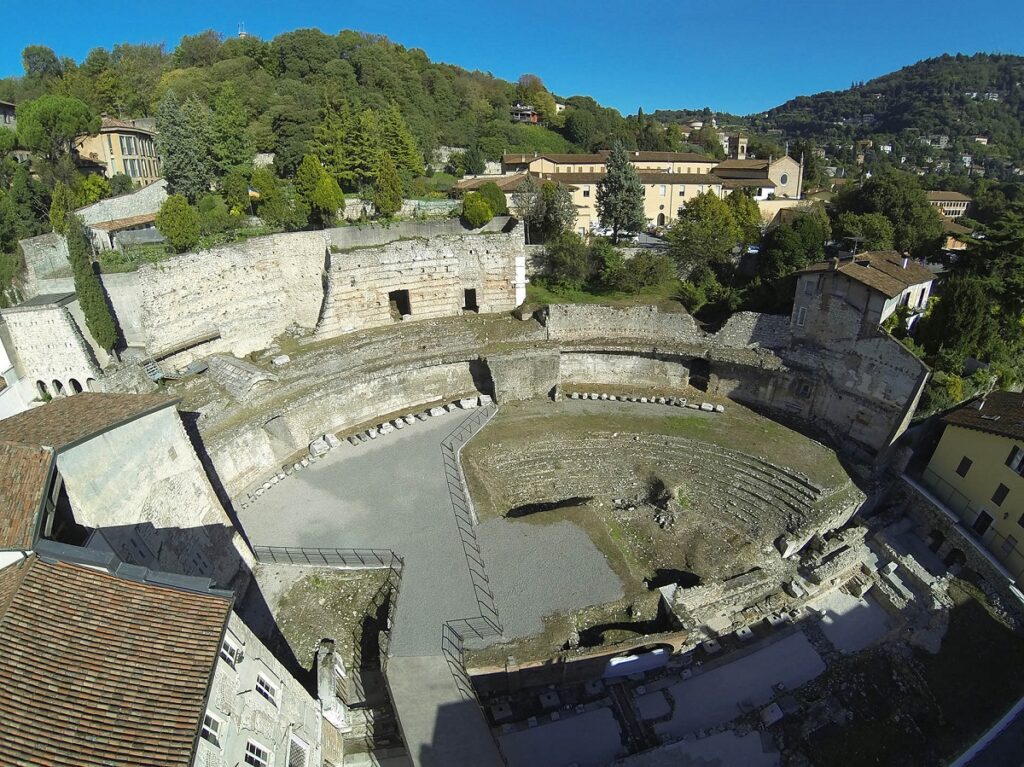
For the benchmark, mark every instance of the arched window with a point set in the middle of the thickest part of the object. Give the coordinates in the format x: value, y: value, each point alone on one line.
x: 58, y: 388
x: 76, y: 388
x: 43, y: 391
x: 90, y: 384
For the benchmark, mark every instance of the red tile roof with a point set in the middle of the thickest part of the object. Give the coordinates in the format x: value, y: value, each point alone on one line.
x: 68, y: 420
x: 100, y: 671
x: 882, y: 270
x: 26, y: 470
x: 1002, y: 413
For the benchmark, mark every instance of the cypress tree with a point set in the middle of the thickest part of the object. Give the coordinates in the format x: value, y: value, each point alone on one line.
x: 61, y: 207
x: 387, y: 193
x: 183, y: 143
x: 232, y: 148
x: 88, y: 287
x: 620, y: 197
x: 397, y: 141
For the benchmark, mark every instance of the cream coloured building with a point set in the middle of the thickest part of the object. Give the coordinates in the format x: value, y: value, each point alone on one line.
x: 122, y: 147
x: 782, y: 177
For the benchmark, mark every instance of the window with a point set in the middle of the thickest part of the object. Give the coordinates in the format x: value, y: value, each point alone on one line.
x: 586, y: 190
x: 682, y: 190
x: 784, y: 179
x: 1016, y: 460
x: 965, y: 466
x: 266, y: 688
x: 256, y: 755
x: 662, y: 191
x: 230, y: 652
x: 801, y: 316
x: 1000, y: 494
x: 808, y: 287
x: 298, y: 753
x: 804, y: 390
x: 211, y: 729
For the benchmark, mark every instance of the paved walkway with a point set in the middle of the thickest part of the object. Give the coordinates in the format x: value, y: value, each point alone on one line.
x: 392, y: 493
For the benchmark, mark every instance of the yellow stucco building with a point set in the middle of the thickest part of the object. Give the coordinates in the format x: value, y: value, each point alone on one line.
x: 977, y: 470
x: 122, y: 147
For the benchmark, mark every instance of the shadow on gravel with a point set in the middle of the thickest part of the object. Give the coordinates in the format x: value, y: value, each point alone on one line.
x: 535, y: 508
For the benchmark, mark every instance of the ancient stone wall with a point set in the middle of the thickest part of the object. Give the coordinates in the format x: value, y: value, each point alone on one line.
x: 46, y: 256
x: 168, y: 515
x: 574, y: 322
x: 524, y: 375
x: 345, y: 237
x: 247, y: 293
x: 49, y: 346
x: 628, y: 368
x: 434, y: 272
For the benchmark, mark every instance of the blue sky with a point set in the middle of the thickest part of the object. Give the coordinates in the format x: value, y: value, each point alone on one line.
x: 741, y: 56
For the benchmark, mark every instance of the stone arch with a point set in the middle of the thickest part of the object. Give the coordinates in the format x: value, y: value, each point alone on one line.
x: 58, y: 388
x: 76, y: 388
x: 90, y: 384
x: 661, y: 219
x: 42, y: 388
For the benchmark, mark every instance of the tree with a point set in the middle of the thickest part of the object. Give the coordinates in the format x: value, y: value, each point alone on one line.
x: 898, y: 196
x: 88, y: 288
x: 61, y: 208
x: 747, y: 216
x: 558, y: 212
x: 185, y: 156
x: 580, y: 127
x: 873, y: 231
x: 231, y: 147
x: 40, y: 61
x: 397, y: 140
x: 319, y: 192
x: 476, y: 210
x: 569, y: 263
x: 495, y: 198
x: 387, y: 191
x: 473, y: 160
x: 998, y: 258
x: 276, y: 203
x: 332, y: 144
x: 961, y: 321
x: 704, y: 233
x: 200, y: 50
x: 121, y: 183
x: 620, y: 196
x: 50, y: 124
x: 707, y: 139
x: 92, y: 189
x: 179, y: 223
x: 792, y: 246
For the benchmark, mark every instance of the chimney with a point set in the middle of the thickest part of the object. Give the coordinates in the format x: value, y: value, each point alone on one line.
x: 328, y: 667
x: 835, y: 264
x: 905, y: 261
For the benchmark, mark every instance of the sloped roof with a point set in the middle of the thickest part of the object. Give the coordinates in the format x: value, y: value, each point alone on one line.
x: 101, y: 671
x: 22, y: 488
x: 881, y: 270
x: 29, y: 442
x: 645, y: 176
x: 742, y: 165
x: 743, y: 183
x: 940, y: 196
x: 69, y: 420
x: 602, y: 155
x: 1002, y: 413
x: 112, y: 124
x: 504, y: 183
x: 118, y: 224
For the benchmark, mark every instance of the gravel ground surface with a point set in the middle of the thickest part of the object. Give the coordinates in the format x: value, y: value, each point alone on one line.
x: 851, y: 624
x: 537, y: 570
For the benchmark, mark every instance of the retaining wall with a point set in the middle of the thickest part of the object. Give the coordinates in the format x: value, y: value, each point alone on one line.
x: 48, y: 346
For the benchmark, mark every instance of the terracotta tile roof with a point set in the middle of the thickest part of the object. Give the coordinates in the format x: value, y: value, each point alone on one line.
x: 68, y: 420
x: 114, y: 125
x: 881, y: 270
x: 602, y: 155
x: 1002, y: 414
x: 516, y: 159
x: 505, y: 183
x: 743, y: 183
x: 742, y: 165
x: 26, y: 470
x: 124, y: 223
x: 100, y: 671
x: 947, y: 196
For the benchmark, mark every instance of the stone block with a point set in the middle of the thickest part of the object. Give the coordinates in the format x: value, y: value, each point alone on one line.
x: 680, y: 402
x: 643, y: 400
x: 575, y: 395
x: 604, y: 396
x: 409, y: 420
x: 333, y: 440
x: 485, y: 399
x: 421, y: 416
x: 451, y: 407
x: 304, y: 462
x: 693, y: 406
x: 468, y: 403
x: 280, y: 359
x: 719, y: 408
x: 318, y: 447
x: 353, y: 440
x: 372, y: 433
x: 660, y: 400
x: 707, y: 407
x: 386, y: 428
x: 361, y: 437
x: 612, y: 397
x: 436, y: 411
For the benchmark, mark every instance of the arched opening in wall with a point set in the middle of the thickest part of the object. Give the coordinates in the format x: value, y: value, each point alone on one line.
x: 58, y: 388
x: 469, y: 300
x: 400, y: 306
x: 955, y: 559
x: 661, y: 219
x: 44, y: 392
x: 76, y: 388
x: 481, y: 373
x: 700, y: 374
x: 935, y: 540
x: 90, y: 384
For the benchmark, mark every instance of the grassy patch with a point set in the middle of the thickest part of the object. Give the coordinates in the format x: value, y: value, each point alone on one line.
x: 538, y: 293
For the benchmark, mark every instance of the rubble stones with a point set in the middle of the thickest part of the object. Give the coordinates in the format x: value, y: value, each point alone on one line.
x: 707, y: 407
x: 318, y: 447
x: 385, y: 429
x: 333, y: 440
x: 436, y: 411
x: 280, y: 359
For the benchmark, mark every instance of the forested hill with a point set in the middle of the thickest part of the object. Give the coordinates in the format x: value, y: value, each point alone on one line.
x: 960, y: 97
x: 284, y: 84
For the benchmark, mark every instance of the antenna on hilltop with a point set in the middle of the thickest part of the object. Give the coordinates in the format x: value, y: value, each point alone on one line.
x: 241, y: 30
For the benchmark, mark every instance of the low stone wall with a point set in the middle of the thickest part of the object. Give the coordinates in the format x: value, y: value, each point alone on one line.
x: 643, y: 370
x: 141, y: 202
x: 46, y: 256
x: 524, y: 375
x: 576, y: 322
